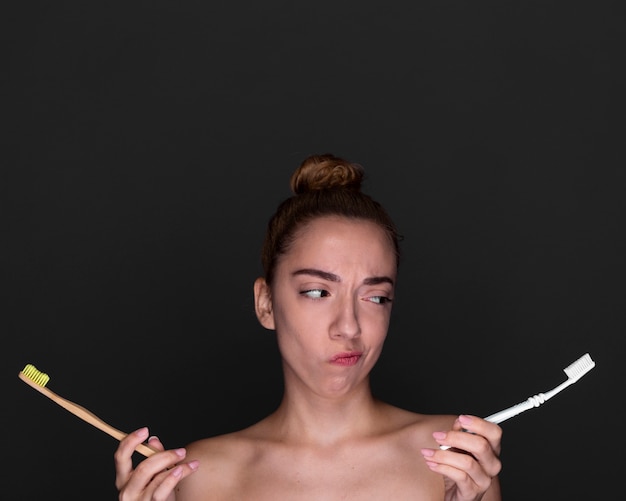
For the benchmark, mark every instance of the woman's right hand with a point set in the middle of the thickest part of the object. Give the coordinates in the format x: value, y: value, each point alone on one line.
x: 155, y: 478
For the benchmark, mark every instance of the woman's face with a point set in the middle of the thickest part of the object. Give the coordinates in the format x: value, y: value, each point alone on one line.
x: 331, y: 303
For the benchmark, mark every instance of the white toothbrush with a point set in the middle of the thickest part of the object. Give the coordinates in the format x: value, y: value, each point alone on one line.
x: 574, y: 372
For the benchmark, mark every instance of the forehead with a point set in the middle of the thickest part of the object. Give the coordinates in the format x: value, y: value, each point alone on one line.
x: 337, y: 242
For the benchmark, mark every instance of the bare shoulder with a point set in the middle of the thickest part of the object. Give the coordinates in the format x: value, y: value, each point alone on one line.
x: 415, y: 426
x: 222, y: 459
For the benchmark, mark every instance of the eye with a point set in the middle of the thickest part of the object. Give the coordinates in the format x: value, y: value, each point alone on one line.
x: 379, y: 299
x: 315, y: 293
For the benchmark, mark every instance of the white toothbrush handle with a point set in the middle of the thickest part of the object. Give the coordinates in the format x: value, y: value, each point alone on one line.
x: 505, y: 414
x: 529, y: 403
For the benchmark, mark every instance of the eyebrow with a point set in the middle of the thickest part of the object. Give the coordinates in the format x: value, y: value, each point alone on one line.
x: 335, y: 278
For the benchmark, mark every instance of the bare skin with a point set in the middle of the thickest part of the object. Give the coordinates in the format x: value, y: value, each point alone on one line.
x: 330, y: 439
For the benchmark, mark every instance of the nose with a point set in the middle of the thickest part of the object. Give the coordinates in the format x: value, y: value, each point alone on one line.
x: 346, y: 321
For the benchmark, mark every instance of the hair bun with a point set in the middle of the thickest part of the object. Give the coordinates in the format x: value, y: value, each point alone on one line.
x: 321, y: 172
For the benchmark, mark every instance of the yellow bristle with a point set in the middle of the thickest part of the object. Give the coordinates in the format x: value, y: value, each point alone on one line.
x: 31, y: 372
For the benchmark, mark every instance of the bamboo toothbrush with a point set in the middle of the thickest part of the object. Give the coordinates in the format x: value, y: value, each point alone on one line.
x: 574, y: 372
x: 38, y: 380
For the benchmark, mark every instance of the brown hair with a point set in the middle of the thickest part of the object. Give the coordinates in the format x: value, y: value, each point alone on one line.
x: 323, y: 185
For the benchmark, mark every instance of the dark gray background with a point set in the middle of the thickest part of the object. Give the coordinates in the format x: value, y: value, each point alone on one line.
x: 145, y: 145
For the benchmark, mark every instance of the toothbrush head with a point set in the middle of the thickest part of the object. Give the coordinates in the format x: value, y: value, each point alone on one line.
x: 580, y: 367
x: 34, y: 375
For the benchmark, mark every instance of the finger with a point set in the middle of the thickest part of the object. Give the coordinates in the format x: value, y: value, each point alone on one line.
x: 457, y: 426
x: 162, y: 484
x: 475, y: 446
x: 158, y: 462
x: 477, y: 426
x: 155, y: 443
x: 172, y: 477
x: 462, y: 469
x: 491, y: 431
x: 124, y: 453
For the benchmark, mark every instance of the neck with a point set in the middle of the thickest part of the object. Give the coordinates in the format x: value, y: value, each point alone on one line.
x: 312, y: 418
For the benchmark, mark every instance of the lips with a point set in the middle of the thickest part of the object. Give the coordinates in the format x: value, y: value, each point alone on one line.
x: 346, y: 359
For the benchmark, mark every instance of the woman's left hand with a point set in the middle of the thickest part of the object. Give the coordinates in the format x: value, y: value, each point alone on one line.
x: 470, y: 465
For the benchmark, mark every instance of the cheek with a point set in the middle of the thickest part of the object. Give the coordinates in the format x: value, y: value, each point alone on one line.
x: 300, y: 333
x: 376, y: 319
x: 293, y: 311
x: 296, y: 344
x: 377, y: 331
x: 292, y: 323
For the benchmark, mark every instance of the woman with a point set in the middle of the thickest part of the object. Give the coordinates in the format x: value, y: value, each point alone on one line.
x: 330, y: 260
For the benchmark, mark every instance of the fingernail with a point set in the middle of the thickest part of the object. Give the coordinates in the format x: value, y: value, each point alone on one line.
x: 194, y: 464
x: 178, y: 471
x: 465, y: 420
x: 439, y: 435
x: 428, y: 452
x: 142, y: 432
x: 180, y: 452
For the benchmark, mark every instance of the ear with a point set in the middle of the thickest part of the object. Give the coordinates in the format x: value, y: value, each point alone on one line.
x: 263, y: 303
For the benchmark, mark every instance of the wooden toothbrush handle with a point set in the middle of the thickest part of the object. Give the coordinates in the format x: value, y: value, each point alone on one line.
x: 86, y: 415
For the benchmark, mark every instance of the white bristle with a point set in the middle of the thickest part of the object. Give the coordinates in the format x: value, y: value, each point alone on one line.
x: 580, y: 367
